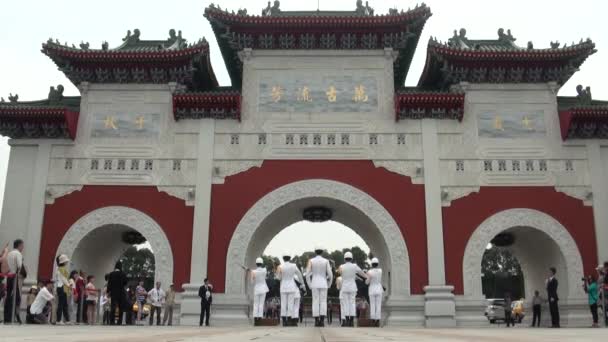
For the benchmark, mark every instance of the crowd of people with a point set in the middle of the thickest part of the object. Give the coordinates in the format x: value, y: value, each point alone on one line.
x: 73, y: 293
x: 594, y: 285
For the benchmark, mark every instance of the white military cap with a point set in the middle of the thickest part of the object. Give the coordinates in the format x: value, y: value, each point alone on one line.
x: 375, y: 261
x: 259, y: 261
x: 348, y: 255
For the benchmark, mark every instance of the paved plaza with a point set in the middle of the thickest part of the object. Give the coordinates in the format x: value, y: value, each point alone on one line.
x: 175, y: 334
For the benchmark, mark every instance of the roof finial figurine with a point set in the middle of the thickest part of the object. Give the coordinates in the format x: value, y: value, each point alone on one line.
x: 13, y: 98
x: 505, y: 37
x: 275, y: 8
x: 2, y: 99
x: 84, y: 46
x: 368, y: 9
x: 530, y: 45
x: 266, y: 11
x: 172, y: 36
x: 55, y: 95
x: 360, y: 8
x: 555, y: 45
x: 393, y: 11
x: 104, y: 46
x: 584, y: 95
x: 242, y: 11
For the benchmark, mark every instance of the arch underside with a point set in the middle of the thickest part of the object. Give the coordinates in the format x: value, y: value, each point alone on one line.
x: 351, y: 207
x: 540, y: 242
x: 93, y: 243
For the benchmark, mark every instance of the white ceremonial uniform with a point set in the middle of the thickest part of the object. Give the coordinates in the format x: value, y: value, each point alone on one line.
x: 319, y: 278
x: 375, y: 292
x: 258, y: 277
x: 340, y: 296
x: 295, y: 312
x: 286, y: 274
x: 349, y: 273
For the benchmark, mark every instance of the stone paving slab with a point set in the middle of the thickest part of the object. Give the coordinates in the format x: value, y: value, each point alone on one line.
x: 300, y: 334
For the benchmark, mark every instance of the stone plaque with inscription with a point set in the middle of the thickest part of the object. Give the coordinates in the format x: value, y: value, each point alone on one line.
x: 301, y: 92
x: 511, y: 125
x: 125, y: 125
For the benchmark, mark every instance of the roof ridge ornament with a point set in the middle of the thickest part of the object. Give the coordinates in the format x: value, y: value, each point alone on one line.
x: 506, y: 37
x: 272, y: 10
x: 132, y: 38
x: 365, y: 10
x: 555, y: 45
x: 13, y: 98
x: 84, y: 46
x: 55, y: 95
x: 584, y: 95
x: 459, y: 39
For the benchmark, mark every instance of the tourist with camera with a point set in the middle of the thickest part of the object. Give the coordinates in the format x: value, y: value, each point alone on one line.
x: 590, y: 286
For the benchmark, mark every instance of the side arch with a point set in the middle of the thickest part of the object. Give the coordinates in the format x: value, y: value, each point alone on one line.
x: 105, y: 218
x: 318, y: 188
x: 520, y: 217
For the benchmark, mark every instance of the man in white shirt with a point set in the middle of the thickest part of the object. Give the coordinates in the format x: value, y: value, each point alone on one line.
x: 157, y: 299
x: 15, y: 263
x: 349, y: 272
x: 41, y: 307
x: 319, y: 277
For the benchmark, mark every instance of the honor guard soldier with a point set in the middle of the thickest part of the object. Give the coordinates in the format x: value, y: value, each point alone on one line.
x: 297, y: 298
x: 319, y: 277
x: 349, y: 272
x: 286, y: 274
x: 258, y: 278
x: 376, y: 290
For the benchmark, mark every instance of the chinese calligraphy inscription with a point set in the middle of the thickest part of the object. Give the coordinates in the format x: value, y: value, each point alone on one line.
x: 511, y: 125
x: 125, y: 125
x: 299, y: 92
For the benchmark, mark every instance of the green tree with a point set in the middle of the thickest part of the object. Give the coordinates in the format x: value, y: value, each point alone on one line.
x: 501, y: 272
x: 139, y: 264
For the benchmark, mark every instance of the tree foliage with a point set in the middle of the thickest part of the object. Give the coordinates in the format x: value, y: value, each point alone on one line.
x: 139, y: 264
x: 501, y: 273
x: 499, y: 260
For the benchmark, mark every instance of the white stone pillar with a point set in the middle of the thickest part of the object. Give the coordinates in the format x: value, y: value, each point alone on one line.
x: 439, y: 307
x: 36, y: 211
x: 599, y: 187
x: 202, y: 202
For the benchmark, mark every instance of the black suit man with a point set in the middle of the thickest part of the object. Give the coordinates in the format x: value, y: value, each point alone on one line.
x: 206, y: 299
x: 117, y: 281
x: 553, y: 298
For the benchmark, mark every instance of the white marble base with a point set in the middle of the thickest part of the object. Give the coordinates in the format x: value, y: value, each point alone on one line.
x: 439, y: 307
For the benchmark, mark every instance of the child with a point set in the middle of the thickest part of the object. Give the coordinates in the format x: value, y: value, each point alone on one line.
x: 105, y: 307
x: 536, y: 305
x: 140, y: 296
x: 91, y: 306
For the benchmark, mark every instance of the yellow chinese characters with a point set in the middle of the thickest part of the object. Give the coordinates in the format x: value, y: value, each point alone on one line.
x: 304, y: 94
x: 276, y: 93
x: 332, y: 94
x: 110, y: 122
x: 527, y: 123
x: 139, y: 121
x: 498, y: 123
x: 360, y: 95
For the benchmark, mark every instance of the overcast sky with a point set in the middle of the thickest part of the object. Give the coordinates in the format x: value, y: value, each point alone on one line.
x: 26, y: 24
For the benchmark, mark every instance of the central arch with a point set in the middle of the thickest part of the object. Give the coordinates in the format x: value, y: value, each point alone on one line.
x: 101, y: 220
x: 362, y: 213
